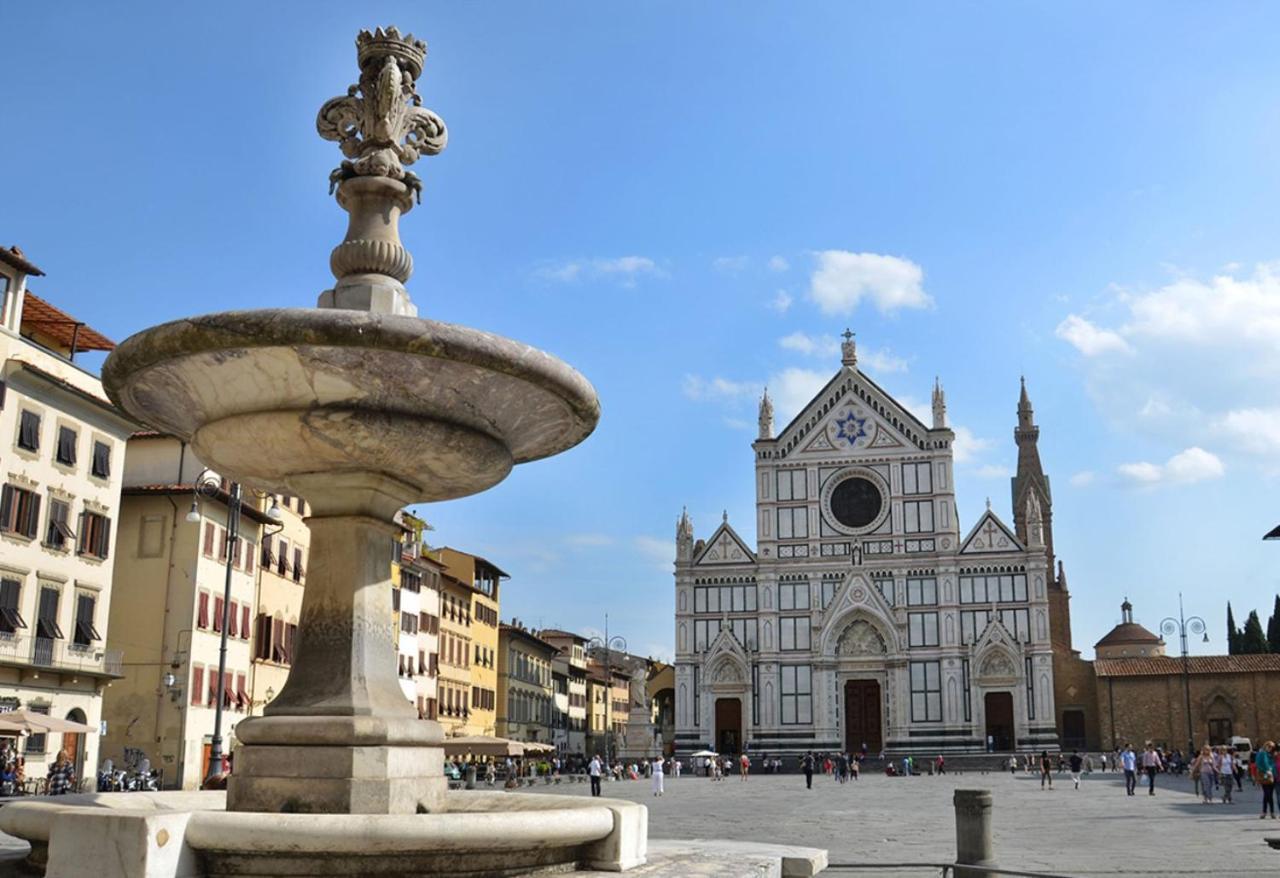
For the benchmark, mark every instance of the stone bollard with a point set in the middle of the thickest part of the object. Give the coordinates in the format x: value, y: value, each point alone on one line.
x: 973, y: 832
x: 471, y: 777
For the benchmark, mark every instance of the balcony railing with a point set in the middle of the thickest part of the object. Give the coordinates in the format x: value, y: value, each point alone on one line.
x: 60, y: 655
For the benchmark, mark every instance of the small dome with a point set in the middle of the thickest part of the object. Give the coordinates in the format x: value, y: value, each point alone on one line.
x: 1128, y: 633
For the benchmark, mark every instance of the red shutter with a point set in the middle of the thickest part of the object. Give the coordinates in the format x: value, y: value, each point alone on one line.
x: 228, y: 694
x: 208, y: 538
x: 233, y: 618
x: 244, y: 619
x: 197, y: 683
x: 277, y: 640
x: 213, y: 688
x: 217, y: 614
x: 290, y: 637
x: 202, y: 620
x: 242, y: 697
x: 248, y: 557
x: 222, y: 545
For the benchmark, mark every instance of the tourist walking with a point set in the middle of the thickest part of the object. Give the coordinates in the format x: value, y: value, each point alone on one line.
x: 1075, y: 762
x: 593, y: 770
x: 1225, y: 763
x: 61, y: 775
x: 1013, y: 765
x: 807, y: 765
x: 1202, y: 773
x: 1046, y: 769
x: 1151, y: 763
x: 656, y: 774
x: 1129, y: 760
x: 1266, y: 763
x: 744, y: 765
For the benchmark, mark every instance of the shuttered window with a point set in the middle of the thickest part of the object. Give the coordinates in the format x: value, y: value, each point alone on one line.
x: 202, y: 617
x: 95, y: 535
x: 101, y: 466
x: 244, y: 621
x: 19, y: 511
x: 10, y: 617
x: 197, y: 683
x: 47, y: 615
x: 29, y: 431
x: 65, y: 453
x: 85, y: 633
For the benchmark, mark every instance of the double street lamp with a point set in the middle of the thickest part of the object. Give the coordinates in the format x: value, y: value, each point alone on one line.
x: 209, y: 484
x: 608, y: 644
x: 1181, y: 626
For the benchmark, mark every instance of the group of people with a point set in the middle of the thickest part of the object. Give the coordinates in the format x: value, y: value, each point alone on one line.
x: 1214, y: 770
x: 60, y: 778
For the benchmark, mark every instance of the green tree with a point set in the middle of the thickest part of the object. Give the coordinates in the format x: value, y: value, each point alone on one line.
x: 1233, y: 633
x: 1273, y: 627
x: 1253, y: 641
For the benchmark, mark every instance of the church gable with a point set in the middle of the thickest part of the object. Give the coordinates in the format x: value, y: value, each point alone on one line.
x: 852, y: 414
x: 857, y: 598
x: 990, y: 535
x: 725, y: 547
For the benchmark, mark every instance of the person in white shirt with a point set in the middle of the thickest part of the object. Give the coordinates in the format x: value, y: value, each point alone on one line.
x: 1226, y: 773
x: 1129, y: 760
x: 594, y: 771
x: 657, y: 776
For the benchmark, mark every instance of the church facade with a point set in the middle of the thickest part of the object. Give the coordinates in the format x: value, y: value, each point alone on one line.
x: 865, y: 616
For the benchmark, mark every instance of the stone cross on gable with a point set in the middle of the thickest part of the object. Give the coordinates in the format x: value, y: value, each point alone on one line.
x: 990, y: 531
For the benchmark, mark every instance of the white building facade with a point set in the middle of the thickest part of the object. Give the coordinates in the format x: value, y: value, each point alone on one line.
x: 864, y: 617
x: 61, y: 459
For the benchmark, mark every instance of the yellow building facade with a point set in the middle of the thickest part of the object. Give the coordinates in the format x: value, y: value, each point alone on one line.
x: 469, y: 602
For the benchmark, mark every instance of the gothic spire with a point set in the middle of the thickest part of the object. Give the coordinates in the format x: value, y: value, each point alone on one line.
x: 1026, y: 417
x: 939, y: 405
x: 766, y: 416
x: 684, y: 536
x: 1030, y: 476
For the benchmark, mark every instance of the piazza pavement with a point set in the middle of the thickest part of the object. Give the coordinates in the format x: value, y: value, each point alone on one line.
x: 1097, y: 830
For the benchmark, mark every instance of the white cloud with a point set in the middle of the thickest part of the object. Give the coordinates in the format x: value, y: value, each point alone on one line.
x: 1252, y: 430
x: 793, y: 388
x: 1089, y: 339
x: 843, y: 279
x: 739, y: 424
x: 777, y: 263
x: 967, y: 446
x: 624, y: 269
x: 1082, y: 479
x: 992, y: 471
x: 588, y: 540
x: 718, y: 389
x: 730, y: 264
x: 1191, y: 465
x: 781, y: 302
x: 828, y: 347
x: 660, y: 554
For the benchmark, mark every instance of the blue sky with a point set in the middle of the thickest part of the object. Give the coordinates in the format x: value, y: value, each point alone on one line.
x: 688, y: 200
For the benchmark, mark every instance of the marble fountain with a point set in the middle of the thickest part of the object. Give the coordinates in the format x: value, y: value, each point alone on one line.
x: 361, y: 407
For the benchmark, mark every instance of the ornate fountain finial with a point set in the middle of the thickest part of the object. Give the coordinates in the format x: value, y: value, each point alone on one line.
x: 386, y: 127
x: 381, y: 126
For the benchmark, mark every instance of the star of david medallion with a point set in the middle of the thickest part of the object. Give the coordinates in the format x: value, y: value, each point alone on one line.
x: 849, y: 429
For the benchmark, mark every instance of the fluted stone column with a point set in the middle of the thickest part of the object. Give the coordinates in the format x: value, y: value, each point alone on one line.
x: 973, y: 832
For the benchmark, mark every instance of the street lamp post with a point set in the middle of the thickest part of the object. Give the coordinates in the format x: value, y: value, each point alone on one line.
x: 1181, y: 626
x: 608, y: 644
x: 208, y: 484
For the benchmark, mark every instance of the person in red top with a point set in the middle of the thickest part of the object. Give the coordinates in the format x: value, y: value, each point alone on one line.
x: 744, y: 765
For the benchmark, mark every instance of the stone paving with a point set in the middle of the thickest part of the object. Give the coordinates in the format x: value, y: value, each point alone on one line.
x: 1097, y: 830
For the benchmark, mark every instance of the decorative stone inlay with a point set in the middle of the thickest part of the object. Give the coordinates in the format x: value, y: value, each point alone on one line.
x: 997, y: 664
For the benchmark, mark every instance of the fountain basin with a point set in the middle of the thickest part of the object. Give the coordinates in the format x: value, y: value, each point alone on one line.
x: 443, y: 409
x: 190, y: 835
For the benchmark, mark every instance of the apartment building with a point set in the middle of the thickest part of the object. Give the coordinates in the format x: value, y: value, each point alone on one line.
x: 471, y: 583
x: 454, y: 668
x: 526, y: 695
x: 570, y: 662
x: 171, y: 564
x: 61, y: 458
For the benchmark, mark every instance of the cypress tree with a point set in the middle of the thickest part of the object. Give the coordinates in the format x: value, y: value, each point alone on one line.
x: 1253, y: 641
x: 1233, y: 633
x: 1273, y: 627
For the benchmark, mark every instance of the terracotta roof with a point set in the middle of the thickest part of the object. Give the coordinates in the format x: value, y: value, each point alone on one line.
x: 1160, y: 666
x: 559, y: 632
x: 1128, y: 632
x: 15, y: 257
x: 58, y: 324
x: 246, y: 508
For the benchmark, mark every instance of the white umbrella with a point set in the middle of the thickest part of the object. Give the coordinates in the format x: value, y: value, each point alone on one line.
x: 30, y: 721
x: 705, y: 754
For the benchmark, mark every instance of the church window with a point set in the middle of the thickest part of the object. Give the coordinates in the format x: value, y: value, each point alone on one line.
x: 792, y: 485
x: 926, y: 692
x: 885, y: 585
x: 793, y: 522
x: 704, y: 631
x: 829, y: 588
x: 724, y: 599
x: 1018, y: 623
x: 797, y: 695
x: 856, y: 502
x: 972, y: 624
x: 964, y: 679
x: 745, y: 630
x: 916, y: 478
x: 922, y: 629
x: 793, y: 596
x: 793, y: 633
x: 917, y: 516
x: 990, y: 589
x: 922, y: 592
